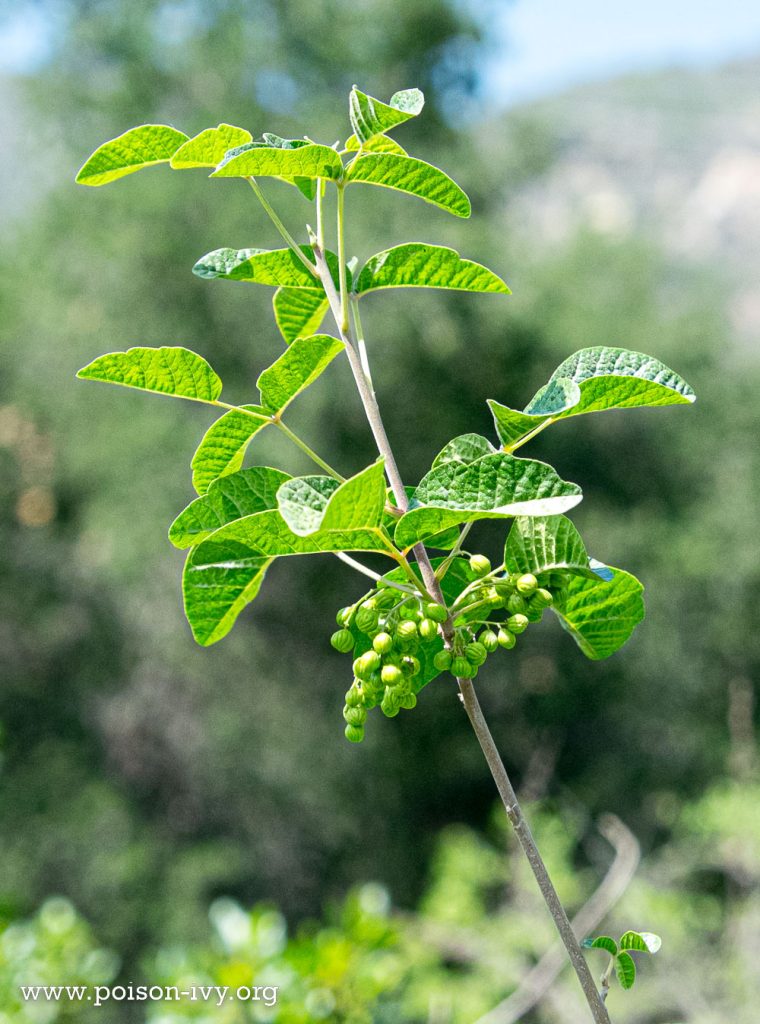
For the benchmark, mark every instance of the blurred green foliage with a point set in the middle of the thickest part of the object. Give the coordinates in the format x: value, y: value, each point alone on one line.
x: 143, y: 778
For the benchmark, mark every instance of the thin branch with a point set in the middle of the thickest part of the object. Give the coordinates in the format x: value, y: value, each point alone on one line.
x: 366, y: 571
x: 308, y: 451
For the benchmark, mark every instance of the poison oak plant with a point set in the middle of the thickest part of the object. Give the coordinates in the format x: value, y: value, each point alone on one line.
x: 427, y: 616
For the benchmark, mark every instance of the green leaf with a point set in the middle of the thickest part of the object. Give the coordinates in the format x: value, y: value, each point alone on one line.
x: 644, y: 942
x: 405, y: 174
x: 167, y: 371
x: 540, y: 544
x: 276, y: 267
x: 443, y: 541
x: 219, y: 580
x: 303, y: 500
x: 312, y: 503
x: 417, y: 265
x: 377, y: 144
x: 370, y: 117
x: 223, y: 446
x: 616, y: 378
x: 209, y: 147
x: 140, y: 147
x: 552, y: 400
x: 464, y: 449
x: 299, y: 311
x: 309, y: 161
x: 625, y: 969
x: 493, y: 487
x: 602, y: 942
x: 600, y: 614
x: 297, y: 368
x: 228, y: 498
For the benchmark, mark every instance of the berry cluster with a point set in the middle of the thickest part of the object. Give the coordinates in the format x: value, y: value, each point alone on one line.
x: 401, y: 626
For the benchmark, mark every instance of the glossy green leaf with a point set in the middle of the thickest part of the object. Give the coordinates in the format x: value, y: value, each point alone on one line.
x: 276, y: 267
x: 309, y: 161
x: 643, y: 942
x: 302, y: 502
x: 219, y: 580
x: 167, y: 371
x: 625, y: 969
x: 209, y: 147
x: 299, y: 311
x: 377, y: 144
x: 140, y: 147
x: 417, y: 265
x: 602, y: 942
x: 600, y: 614
x: 405, y: 174
x: 297, y: 368
x: 443, y: 541
x: 552, y: 400
x: 370, y: 117
x: 228, y: 498
x: 223, y: 446
x: 312, y: 503
x: 464, y: 449
x: 493, y: 487
x: 540, y: 544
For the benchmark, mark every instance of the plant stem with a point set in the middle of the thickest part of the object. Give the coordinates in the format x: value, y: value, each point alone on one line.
x: 606, y: 980
x: 307, y: 450
x: 528, y: 844
x: 274, y: 217
x: 529, y: 436
x: 343, y: 324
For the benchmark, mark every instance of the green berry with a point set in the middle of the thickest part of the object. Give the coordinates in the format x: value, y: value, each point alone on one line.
x: 406, y: 630
x: 527, y: 584
x: 516, y: 604
x: 442, y: 661
x: 391, y: 675
x: 411, y: 665
x: 494, y: 597
x: 343, y: 617
x: 480, y: 565
x: 436, y: 612
x: 428, y: 629
x: 354, y: 697
x: 342, y: 641
x: 489, y: 640
x: 354, y: 733
x: 506, y: 639
x: 355, y: 716
x: 366, y: 664
x: 517, y: 623
x: 505, y: 586
x: 386, y: 597
x: 366, y: 619
x: 390, y: 707
x: 460, y: 666
x: 542, y: 598
x: 383, y: 643
x: 475, y: 653
x: 409, y: 701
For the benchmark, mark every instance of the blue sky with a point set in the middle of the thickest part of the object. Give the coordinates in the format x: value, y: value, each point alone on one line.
x: 545, y: 45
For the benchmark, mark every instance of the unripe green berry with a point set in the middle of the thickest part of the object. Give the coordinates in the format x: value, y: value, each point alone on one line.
x: 494, y: 597
x: 391, y: 675
x: 342, y: 641
x: 407, y: 629
x: 517, y: 623
x: 386, y: 597
x: 480, y: 565
x: 354, y: 697
x: 411, y: 665
x: 390, y: 707
x: 366, y: 664
x: 428, y: 629
x: 489, y: 640
x: 506, y: 639
x: 343, y: 617
x: 383, y: 643
x: 505, y: 586
x: 542, y: 598
x: 354, y: 733
x: 527, y: 584
x: 475, y: 653
x: 366, y: 619
x: 442, y: 660
x: 355, y: 716
x: 460, y: 666
x: 517, y: 604
x: 436, y: 612
x: 409, y: 701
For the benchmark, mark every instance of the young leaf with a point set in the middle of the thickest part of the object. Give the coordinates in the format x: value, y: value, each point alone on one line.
x: 219, y: 580
x: 416, y: 265
x: 276, y: 267
x: 309, y: 161
x: 299, y: 311
x: 312, y: 503
x: 643, y: 942
x: 553, y: 398
x: 493, y: 487
x: 297, y: 368
x: 370, y: 117
x: 405, y: 174
x: 377, y: 144
x: 464, y: 449
x: 228, y: 498
x: 602, y: 942
x: 600, y: 614
x: 209, y: 147
x: 223, y: 446
x: 443, y: 541
x: 625, y: 969
x: 540, y: 544
x: 167, y: 371
x: 140, y: 147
